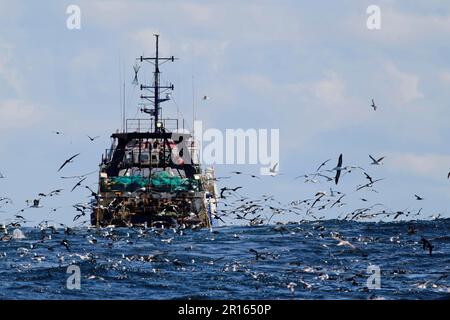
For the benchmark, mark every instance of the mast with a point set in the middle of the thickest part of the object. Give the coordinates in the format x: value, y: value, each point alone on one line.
x: 156, y: 89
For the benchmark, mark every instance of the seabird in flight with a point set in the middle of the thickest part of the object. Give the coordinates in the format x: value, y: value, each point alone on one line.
x: 78, y: 184
x: 68, y: 161
x: 93, y: 138
x: 376, y: 162
x: 338, y: 169
x: 374, y: 106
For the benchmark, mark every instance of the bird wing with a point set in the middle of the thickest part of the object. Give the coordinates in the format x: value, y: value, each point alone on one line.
x: 373, y: 159
x: 336, y: 178
x: 338, y: 171
x: 323, y: 163
x: 72, y: 157
x: 381, y: 159
x: 65, y: 162
x: 337, y: 201
x: 399, y: 213
x: 340, y: 160
x: 78, y: 183
x: 317, y: 200
x: 222, y: 191
x: 367, y: 184
x: 368, y: 177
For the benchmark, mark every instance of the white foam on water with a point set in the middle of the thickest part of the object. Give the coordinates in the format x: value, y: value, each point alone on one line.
x: 18, y: 234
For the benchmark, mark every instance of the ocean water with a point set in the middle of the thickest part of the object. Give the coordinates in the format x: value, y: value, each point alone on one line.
x: 293, y: 261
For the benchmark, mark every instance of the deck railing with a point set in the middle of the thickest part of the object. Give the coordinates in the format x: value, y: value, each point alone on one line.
x: 148, y: 125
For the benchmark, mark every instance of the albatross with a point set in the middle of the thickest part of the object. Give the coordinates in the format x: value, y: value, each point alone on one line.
x: 70, y: 160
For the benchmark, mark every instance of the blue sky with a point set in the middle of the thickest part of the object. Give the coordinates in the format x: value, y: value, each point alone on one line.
x: 309, y: 69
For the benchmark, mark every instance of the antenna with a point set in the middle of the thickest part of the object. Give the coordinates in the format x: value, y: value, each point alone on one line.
x: 156, y: 88
x: 123, y: 114
x: 120, y: 95
x: 193, y: 107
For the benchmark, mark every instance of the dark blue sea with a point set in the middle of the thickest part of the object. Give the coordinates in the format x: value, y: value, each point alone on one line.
x: 311, y: 260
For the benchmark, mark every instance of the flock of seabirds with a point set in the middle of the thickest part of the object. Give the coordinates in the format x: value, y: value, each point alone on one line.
x: 232, y: 205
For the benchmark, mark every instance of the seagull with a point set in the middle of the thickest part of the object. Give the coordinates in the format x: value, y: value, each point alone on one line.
x: 205, y: 98
x: 426, y: 244
x: 368, y: 177
x: 376, y: 162
x: 65, y: 243
x: 346, y: 243
x: 332, y: 192
x: 418, y: 197
x: 374, y: 106
x: 398, y: 214
x: 222, y: 190
x: 51, y: 193
x: 341, y: 240
x: 448, y: 176
x: 411, y: 230
x: 68, y: 161
x: 57, y: 132
x: 93, y: 193
x: 92, y: 139
x: 251, y: 175
x: 291, y: 286
x: 83, y: 213
x: 323, y: 163
x: 78, y: 184
x: 36, y: 203
x: 337, y: 201
x: 324, y: 176
x: 80, y: 176
x: 258, y: 255
x: 368, y: 185
x: 338, y: 169
x: 2, y: 176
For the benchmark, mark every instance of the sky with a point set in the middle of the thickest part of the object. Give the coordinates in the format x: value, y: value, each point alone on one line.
x: 309, y: 69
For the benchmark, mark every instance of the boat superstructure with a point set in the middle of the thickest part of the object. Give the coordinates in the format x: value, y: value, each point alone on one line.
x: 151, y: 174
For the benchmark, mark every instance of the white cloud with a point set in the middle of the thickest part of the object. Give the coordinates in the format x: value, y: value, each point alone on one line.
x: 316, y: 106
x: 445, y: 77
x: 328, y: 99
x: 258, y: 83
x: 213, y: 51
x: 88, y: 59
x: 403, y: 86
x: 16, y: 113
x: 197, y: 13
x: 431, y: 165
x: 6, y: 70
x: 330, y: 90
x: 145, y: 39
x: 401, y: 28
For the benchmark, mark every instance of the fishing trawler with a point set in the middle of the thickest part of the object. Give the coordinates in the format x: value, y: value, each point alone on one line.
x: 151, y: 174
